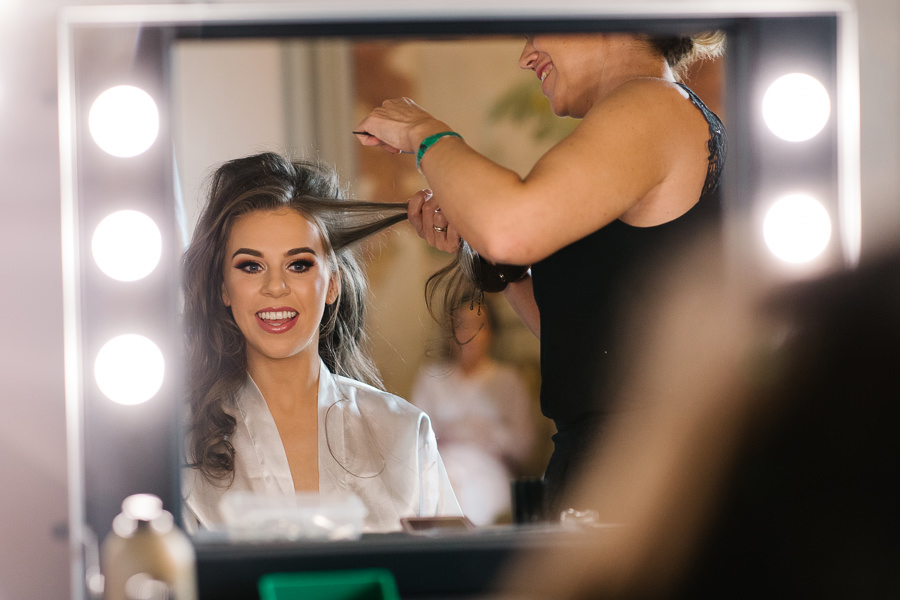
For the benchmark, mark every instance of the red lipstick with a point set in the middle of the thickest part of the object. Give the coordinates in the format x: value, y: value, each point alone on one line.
x: 276, y: 320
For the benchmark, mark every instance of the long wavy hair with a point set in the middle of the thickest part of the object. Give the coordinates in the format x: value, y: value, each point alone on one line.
x: 216, y: 347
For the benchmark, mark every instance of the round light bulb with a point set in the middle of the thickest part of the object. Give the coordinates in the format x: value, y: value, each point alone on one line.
x: 129, y: 369
x: 127, y: 245
x: 124, y: 121
x: 797, y: 228
x: 796, y: 107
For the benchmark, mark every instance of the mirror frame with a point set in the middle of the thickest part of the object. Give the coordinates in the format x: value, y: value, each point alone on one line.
x: 114, y: 451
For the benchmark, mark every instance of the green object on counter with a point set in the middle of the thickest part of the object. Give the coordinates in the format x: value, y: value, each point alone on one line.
x: 368, y: 584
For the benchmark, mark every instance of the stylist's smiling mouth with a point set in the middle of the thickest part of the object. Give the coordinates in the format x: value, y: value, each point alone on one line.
x: 277, y: 320
x: 544, y: 71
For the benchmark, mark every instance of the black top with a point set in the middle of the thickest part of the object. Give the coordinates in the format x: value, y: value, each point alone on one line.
x: 578, y: 288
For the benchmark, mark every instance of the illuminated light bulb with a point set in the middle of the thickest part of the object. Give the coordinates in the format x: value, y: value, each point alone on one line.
x: 129, y: 369
x: 124, y: 121
x: 127, y: 245
x: 797, y: 228
x: 796, y: 107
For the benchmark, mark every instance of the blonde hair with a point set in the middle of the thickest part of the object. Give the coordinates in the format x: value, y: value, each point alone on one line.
x: 681, y: 52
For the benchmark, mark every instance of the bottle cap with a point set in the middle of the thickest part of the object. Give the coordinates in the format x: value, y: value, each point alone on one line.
x: 142, y: 510
x: 142, y: 507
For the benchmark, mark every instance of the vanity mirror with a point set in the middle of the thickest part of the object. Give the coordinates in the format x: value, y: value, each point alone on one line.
x: 209, y: 82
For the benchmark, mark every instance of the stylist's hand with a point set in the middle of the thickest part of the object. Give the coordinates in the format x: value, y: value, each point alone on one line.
x: 430, y: 223
x: 398, y: 125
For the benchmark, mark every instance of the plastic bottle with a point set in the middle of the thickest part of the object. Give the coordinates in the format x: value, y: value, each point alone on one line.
x: 145, y: 557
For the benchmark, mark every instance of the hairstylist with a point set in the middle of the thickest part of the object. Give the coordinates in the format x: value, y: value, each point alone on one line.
x: 638, y: 171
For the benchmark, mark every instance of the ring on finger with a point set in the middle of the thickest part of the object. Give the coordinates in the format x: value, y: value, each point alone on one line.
x: 439, y: 229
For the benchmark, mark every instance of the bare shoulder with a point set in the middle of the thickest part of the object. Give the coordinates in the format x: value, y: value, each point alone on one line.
x: 639, y: 154
x: 650, y: 99
x: 671, y: 132
x: 654, y: 116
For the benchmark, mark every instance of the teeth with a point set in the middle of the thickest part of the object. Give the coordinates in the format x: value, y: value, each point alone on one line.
x: 280, y: 315
x: 545, y: 73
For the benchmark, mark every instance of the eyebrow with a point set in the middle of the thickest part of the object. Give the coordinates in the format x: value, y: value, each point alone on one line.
x: 291, y: 252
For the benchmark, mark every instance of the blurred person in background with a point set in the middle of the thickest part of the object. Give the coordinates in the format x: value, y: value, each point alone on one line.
x: 481, y: 411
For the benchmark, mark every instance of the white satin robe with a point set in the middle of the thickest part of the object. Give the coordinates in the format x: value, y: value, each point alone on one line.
x: 371, y: 443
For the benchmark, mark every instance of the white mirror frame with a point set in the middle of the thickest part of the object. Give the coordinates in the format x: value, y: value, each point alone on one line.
x: 79, y: 173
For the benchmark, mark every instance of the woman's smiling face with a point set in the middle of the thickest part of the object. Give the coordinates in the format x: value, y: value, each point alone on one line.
x: 277, y: 281
x: 575, y: 69
x: 562, y: 63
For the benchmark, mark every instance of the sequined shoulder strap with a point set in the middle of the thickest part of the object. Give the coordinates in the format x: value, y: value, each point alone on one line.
x: 717, y: 144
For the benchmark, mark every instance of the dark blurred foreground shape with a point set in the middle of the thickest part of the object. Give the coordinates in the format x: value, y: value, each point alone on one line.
x: 755, y: 453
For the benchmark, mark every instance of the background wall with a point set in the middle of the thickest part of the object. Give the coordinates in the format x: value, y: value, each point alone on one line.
x: 33, y: 551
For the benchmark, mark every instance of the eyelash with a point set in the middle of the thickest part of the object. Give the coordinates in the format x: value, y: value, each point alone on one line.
x: 305, y: 264
x: 250, y: 266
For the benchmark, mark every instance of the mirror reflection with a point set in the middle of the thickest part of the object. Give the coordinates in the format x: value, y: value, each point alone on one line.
x: 301, y: 98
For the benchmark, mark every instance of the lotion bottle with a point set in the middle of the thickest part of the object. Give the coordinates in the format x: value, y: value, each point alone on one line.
x: 146, y: 556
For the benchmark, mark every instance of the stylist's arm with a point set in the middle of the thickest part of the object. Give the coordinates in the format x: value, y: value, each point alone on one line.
x: 613, y: 159
x: 460, y: 177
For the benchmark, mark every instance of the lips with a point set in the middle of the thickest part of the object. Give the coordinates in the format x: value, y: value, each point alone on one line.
x: 544, y: 71
x: 276, y: 320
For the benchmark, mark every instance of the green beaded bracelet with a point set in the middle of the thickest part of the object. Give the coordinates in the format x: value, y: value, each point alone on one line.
x: 430, y: 141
